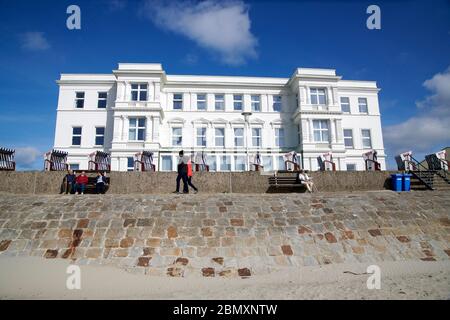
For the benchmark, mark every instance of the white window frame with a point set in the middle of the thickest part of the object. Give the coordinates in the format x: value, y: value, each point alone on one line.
x: 256, y: 101
x: 277, y: 103
x: 238, y: 101
x: 365, y: 138
x: 257, y: 137
x: 236, y: 137
x: 83, y: 99
x: 316, y: 92
x: 348, y: 137
x: 162, y: 162
x: 140, y: 89
x: 203, y: 101
x: 345, y: 103
x: 77, y: 135
x: 197, y: 136
x: 216, y: 136
x: 228, y: 162
x: 99, y: 135
x: 219, y: 102
x: 244, y: 161
x: 102, y: 99
x: 321, y: 130
x: 173, y: 136
x: 363, y: 103
x: 280, y: 138
x: 175, y: 101
x: 137, y: 128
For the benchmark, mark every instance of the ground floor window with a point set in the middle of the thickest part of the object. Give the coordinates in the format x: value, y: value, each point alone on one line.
x: 225, y: 163
x: 130, y: 163
x: 166, y: 163
x: 267, y: 163
x: 212, y: 162
x: 240, y: 163
x: 74, y: 166
x: 280, y: 163
x: 351, y: 167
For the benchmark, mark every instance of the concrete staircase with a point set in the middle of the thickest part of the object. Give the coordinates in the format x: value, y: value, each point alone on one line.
x: 428, y: 180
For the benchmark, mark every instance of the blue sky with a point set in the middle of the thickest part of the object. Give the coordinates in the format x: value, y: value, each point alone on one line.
x: 409, y: 57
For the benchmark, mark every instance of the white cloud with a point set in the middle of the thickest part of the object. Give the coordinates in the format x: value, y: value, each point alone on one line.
x: 25, y: 157
x: 429, y: 130
x: 220, y: 26
x: 34, y: 41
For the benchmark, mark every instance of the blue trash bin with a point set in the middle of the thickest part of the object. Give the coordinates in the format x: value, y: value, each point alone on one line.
x: 397, y: 181
x: 406, y: 185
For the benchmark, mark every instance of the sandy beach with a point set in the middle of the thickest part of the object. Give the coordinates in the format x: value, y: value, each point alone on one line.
x: 35, y: 278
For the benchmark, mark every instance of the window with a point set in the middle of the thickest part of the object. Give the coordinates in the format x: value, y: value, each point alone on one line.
x: 99, y: 136
x: 345, y: 104
x: 240, y: 163
x: 76, y: 136
x: 201, y: 137
x: 276, y: 103
x: 79, y: 100
x: 238, y: 137
x: 366, y: 139
x: 318, y: 96
x: 256, y: 137
x: 212, y: 162
x: 225, y: 163
x: 237, y: 102
x: 201, y: 101
x: 279, y: 137
x: 130, y: 163
x: 280, y: 163
x: 267, y: 163
x: 178, y: 101
x: 137, y: 129
x: 102, y: 99
x: 74, y: 166
x: 219, y: 137
x: 219, y: 103
x: 321, y: 131
x: 348, y: 138
x: 138, y: 92
x: 177, y: 137
x: 362, y: 104
x: 256, y: 103
x: 166, y: 163
x: 351, y: 167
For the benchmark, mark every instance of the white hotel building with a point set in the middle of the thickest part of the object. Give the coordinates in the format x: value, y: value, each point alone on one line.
x: 139, y: 107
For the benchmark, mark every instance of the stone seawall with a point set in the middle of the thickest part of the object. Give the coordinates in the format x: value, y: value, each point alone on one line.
x: 217, y: 182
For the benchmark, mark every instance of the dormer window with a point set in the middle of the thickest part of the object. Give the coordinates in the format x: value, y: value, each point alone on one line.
x: 318, y: 96
x: 138, y: 92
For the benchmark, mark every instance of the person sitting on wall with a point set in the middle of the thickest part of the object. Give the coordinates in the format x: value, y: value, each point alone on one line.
x: 189, y: 176
x: 100, y: 184
x: 69, y: 180
x: 182, y: 173
x: 81, y: 182
x: 305, y: 180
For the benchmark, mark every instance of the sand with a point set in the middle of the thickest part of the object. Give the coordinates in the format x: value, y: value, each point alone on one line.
x: 37, y: 278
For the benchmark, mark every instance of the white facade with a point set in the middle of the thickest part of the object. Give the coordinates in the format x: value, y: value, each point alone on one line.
x: 145, y: 109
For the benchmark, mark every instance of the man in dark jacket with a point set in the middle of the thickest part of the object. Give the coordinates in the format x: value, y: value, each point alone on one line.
x: 70, y: 182
x: 182, y: 173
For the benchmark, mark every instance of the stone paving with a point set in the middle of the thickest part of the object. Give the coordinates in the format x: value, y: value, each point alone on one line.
x: 226, y: 235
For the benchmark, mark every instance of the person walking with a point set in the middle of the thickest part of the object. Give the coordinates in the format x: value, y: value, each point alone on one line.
x: 81, y: 182
x: 182, y: 173
x: 70, y: 182
x: 189, y: 176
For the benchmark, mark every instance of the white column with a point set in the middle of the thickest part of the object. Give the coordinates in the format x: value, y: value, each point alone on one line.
x: 330, y: 98
x: 307, y: 96
x: 156, y: 122
x: 310, y: 130
x: 339, y: 133
x: 157, y: 88
x: 125, y: 95
x: 148, y: 129
x: 150, y: 91
x: 124, y: 128
x: 305, y: 131
x: 117, y: 126
x: 333, y: 131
